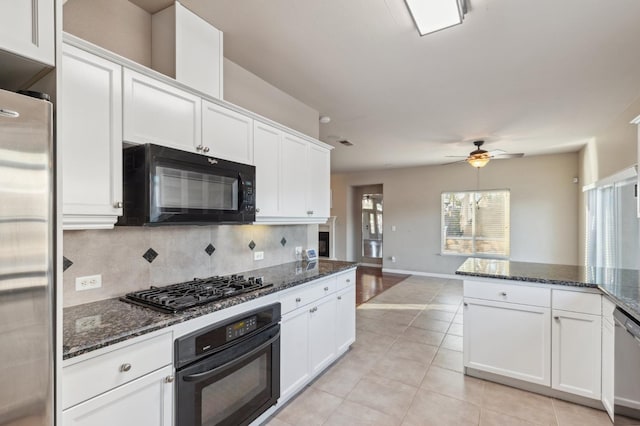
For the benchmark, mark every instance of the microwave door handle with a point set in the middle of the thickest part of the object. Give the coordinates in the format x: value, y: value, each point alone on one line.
x: 240, y: 192
x: 231, y: 364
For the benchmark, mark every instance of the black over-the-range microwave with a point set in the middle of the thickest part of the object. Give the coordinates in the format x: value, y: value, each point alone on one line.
x: 164, y: 186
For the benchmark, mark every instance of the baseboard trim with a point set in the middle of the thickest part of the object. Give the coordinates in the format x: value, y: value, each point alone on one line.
x: 421, y: 273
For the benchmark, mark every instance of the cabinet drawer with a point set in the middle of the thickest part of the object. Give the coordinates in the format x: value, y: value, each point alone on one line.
x: 94, y: 376
x: 307, y: 294
x: 576, y: 301
x: 512, y: 293
x: 346, y: 280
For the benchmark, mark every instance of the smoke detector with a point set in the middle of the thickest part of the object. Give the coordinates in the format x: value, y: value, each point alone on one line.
x: 324, y: 119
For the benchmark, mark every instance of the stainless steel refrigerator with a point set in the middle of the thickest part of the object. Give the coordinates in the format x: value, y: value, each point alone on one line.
x: 26, y: 261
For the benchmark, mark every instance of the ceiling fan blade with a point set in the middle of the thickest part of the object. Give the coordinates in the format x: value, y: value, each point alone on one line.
x: 454, y: 162
x: 456, y: 156
x: 496, y: 152
x: 506, y: 156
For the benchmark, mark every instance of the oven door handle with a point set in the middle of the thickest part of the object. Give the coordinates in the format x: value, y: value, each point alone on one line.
x: 210, y: 373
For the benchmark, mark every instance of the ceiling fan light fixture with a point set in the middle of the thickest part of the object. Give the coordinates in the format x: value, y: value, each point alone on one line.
x: 435, y: 15
x: 479, y: 160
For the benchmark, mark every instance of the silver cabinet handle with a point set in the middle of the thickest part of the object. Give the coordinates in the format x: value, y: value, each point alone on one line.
x: 125, y: 367
x: 312, y: 310
x: 298, y: 300
x: 326, y: 289
x: 348, y: 280
x: 556, y: 318
x: 339, y: 297
x: 465, y: 304
x: 309, y: 212
x: 9, y: 113
x: 169, y: 379
x: 258, y: 210
x: 503, y: 293
x: 117, y: 205
x: 206, y: 149
x: 199, y: 148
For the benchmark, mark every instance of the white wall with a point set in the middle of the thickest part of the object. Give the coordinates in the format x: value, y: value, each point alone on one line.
x: 544, y: 209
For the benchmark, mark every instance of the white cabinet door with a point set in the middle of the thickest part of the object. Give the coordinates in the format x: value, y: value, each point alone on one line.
x: 91, y: 140
x: 319, y: 181
x: 322, y: 329
x: 508, y: 339
x: 155, y: 112
x: 147, y: 401
x: 608, y: 346
x: 345, y: 319
x: 227, y: 134
x: 293, y: 176
x: 294, y: 356
x: 575, y: 353
x: 266, y: 146
x: 27, y: 29
x: 198, y: 53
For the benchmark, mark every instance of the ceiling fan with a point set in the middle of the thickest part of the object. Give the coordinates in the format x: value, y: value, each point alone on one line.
x: 480, y: 158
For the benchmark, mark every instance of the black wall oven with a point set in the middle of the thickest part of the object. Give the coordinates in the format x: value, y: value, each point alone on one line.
x: 229, y: 373
x: 167, y: 186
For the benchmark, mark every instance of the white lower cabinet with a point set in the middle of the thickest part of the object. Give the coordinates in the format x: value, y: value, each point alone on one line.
x: 508, y: 339
x: 345, y: 319
x: 147, y: 401
x: 318, y: 325
x: 294, y: 352
x: 576, y: 352
x: 130, y: 385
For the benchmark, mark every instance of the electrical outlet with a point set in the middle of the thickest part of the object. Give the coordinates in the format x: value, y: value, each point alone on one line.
x: 393, y: 259
x: 89, y: 282
x: 88, y: 323
x: 258, y: 255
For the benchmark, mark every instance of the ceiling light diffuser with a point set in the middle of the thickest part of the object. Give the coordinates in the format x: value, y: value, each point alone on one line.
x: 435, y: 15
x: 479, y: 160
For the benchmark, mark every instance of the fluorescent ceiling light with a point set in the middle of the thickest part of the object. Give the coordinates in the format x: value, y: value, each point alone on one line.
x: 435, y: 15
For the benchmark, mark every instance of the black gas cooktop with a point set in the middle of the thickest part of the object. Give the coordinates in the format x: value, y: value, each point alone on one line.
x: 178, y: 297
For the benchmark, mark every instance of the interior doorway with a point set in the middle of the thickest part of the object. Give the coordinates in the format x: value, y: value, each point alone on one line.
x: 367, y: 234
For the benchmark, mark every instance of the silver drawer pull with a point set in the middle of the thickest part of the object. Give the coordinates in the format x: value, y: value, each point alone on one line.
x: 465, y: 304
x: 117, y: 205
x: 125, y: 367
x: 169, y: 379
x: 258, y: 210
x: 326, y: 289
x: 348, y: 280
x: 339, y: 297
x: 503, y: 293
x: 206, y: 149
x: 309, y: 212
x: 312, y: 310
x: 556, y: 318
x: 298, y: 300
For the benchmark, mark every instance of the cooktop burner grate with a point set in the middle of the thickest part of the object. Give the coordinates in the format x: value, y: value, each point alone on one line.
x: 178, y: 297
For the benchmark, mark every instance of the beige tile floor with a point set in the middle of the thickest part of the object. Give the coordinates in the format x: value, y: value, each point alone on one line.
x: 405, y: 368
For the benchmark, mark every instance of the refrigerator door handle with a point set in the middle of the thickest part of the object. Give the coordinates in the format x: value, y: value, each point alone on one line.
x: 9, y: 113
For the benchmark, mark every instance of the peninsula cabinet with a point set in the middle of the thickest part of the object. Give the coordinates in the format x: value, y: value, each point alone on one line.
x: 91, y: 140
x: 292, y: 177
x: 576, y: 343
x: 226, y: 134
x: 156, y: 112
x: 27, y: 29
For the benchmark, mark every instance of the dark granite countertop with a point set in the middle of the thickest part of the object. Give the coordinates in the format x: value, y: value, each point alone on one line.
x: 621, y: 285
x: 95, y: 325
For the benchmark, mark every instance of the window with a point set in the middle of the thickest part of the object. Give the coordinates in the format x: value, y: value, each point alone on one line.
x: 476, y: 223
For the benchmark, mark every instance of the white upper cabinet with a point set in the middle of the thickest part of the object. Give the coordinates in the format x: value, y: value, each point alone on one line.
x: 156, y: 112
x: 188, y: 48
x: 266, y: 148
x: 226, y: 133
x: 294, y: 175
x: 319, y: 184
x: 91, y: 140
x: 27, y: 29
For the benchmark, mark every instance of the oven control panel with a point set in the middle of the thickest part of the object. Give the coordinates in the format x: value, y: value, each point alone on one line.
x: 240, y: 328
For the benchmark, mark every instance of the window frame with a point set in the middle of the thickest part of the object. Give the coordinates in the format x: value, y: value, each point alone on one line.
x: 473, y: 237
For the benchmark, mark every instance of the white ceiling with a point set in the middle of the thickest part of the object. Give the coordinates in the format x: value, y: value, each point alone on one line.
x: 534, y: 76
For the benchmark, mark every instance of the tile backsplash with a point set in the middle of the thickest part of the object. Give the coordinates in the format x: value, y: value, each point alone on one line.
x: 133, y: 258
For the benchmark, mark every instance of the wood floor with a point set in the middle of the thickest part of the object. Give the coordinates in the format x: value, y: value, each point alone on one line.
x: 372, y: 281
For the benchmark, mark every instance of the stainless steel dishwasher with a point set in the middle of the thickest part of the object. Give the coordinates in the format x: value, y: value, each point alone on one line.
x: 627, y: 365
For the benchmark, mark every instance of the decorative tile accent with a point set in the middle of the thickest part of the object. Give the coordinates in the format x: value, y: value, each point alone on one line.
x: 283, y: 241
x: 150, y: 255
x: 66, y: 263
x: 252, y: 245
x: 210, y: 249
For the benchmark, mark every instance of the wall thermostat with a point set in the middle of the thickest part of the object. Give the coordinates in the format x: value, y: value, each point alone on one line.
x: 311, y: 254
